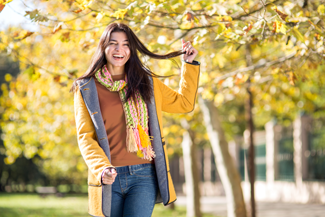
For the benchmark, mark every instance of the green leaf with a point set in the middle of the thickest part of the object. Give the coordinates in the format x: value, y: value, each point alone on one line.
x: 297, y: 34
x: 35, y: 16
x: 167, y: 7
x: 29, y: 71
x: 32, y: 74
x: 220, y: 28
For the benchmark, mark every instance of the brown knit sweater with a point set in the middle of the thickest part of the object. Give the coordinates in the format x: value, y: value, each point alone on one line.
x: 115, y: 125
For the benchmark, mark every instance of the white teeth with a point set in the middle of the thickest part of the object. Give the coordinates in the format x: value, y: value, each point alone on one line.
x: 118, y: 56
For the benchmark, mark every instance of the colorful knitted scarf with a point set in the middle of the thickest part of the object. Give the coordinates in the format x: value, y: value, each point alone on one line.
x: 136, y: 115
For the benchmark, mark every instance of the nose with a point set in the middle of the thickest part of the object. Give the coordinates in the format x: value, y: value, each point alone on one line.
x: 117, y: 47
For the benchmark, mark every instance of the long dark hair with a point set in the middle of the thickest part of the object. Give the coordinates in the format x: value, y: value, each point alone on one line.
x: 137, y: 73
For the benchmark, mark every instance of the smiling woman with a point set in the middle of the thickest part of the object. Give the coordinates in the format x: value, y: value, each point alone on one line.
x: 118, y: 110
x: 117, y: 53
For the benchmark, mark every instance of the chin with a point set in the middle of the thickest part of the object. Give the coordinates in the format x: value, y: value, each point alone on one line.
x: 119, y: 64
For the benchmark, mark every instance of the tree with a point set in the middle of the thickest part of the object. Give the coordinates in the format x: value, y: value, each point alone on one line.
x: 225, y: 164
x: 37, y: 124
x: 193, y: 205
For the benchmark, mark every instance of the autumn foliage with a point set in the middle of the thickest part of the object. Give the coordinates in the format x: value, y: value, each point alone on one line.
x: 286, y: 39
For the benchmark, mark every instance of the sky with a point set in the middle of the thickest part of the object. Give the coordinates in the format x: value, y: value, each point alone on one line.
x: 13, y: 15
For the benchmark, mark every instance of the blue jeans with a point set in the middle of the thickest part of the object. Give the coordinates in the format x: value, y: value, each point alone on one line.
x: 134, y: 191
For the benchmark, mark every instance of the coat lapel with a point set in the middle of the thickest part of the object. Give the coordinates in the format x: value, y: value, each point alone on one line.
x: 90, y: 96
x: 160, y: 161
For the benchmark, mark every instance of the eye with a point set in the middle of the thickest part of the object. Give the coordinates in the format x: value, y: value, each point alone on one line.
x: 112, y: 43
x: 126, y: 45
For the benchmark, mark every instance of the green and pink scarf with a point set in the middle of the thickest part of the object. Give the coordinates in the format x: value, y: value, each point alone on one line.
x: 136, y: 115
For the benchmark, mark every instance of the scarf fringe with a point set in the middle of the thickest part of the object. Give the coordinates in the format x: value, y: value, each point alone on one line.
x: 138, y: 141
x: 130, y: 141
x: 144, y: 138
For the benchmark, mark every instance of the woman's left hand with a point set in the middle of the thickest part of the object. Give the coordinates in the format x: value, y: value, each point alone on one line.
x: 190, y: 51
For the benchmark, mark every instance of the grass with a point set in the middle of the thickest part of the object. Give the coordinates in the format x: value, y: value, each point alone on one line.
x: 179, y: 211
x: 32, y: 205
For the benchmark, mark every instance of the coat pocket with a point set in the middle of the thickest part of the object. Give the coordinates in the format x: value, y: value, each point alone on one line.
x: 95, y: 201
x: 92, y: 180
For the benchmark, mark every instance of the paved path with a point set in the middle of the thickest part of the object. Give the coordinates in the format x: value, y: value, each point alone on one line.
x: 217, y: 206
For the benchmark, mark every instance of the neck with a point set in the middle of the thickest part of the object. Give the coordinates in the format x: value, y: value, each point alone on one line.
x: 115, y: 70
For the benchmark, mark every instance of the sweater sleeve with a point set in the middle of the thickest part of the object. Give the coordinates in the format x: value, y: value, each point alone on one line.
x: 183, y: 100
x: 92, y: 153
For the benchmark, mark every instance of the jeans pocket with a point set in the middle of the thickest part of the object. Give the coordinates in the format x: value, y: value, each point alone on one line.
x: 145, y: 172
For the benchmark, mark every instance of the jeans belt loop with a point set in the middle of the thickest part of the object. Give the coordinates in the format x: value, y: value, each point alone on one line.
x: 130, y: 170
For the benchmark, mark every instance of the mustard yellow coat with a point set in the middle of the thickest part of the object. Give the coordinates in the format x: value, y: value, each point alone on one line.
x: 166, y: 99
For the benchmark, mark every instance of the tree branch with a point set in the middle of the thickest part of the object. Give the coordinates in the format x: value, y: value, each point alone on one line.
x: 254, y: 11
x: 37, y: 66
x: 183, y: 35
x: 256, y: 66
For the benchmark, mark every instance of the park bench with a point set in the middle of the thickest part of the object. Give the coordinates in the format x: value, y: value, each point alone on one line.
x: 48, y: 190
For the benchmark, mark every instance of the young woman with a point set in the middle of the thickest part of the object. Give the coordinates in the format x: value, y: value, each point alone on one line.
x: 118, y: 105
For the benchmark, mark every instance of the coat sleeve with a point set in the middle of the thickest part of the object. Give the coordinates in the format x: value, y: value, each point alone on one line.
x: 92, y: 153
x: 183, y: 100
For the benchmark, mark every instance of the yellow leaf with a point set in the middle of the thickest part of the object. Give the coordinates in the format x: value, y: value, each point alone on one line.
x: 8, y: 77
x: 221, y: 60
x: 120, y: 13
x: 187, y: 25
x: 77, y: 11
x: 9, y: 160
x: 228, y: 33
x: 321, y: 9
x: 83, y: 4
x: 219, y: 98
x: 57, y: 28
x: 280, y: 27
x: 23, y: 34
x: 292, y: 78
x: 196, y: 6
x: 170, y: 151
x: 4, y: 2
x: 204, y: 78
x: 224, y: 18
x: 208, y: 94
x: 99, y: 16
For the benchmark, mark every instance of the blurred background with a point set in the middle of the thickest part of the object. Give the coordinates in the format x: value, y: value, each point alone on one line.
x: 254, y: 144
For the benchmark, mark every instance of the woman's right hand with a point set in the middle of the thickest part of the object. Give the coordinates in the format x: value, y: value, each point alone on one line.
x: 108, y: 176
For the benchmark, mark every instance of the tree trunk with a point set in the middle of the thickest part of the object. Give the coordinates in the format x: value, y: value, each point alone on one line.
x: 227, y: 170
x: 250, y: 129
x: 193, y: 206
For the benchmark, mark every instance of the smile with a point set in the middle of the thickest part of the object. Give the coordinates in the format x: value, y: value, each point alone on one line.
x: 118, y: 57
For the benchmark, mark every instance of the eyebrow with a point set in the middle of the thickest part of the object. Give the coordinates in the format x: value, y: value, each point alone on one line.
x: 116, y: 40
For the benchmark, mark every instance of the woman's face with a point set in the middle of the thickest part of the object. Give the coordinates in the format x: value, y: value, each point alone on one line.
x: 117, y: 52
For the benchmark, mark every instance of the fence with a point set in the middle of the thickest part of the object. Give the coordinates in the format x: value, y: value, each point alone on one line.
x: 260, y: 162
x: 290, y: 163
x: 284, y: 156
x: 316, y: 151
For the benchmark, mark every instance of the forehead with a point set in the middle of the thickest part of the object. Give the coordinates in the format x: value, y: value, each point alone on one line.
x: 118, y: 36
